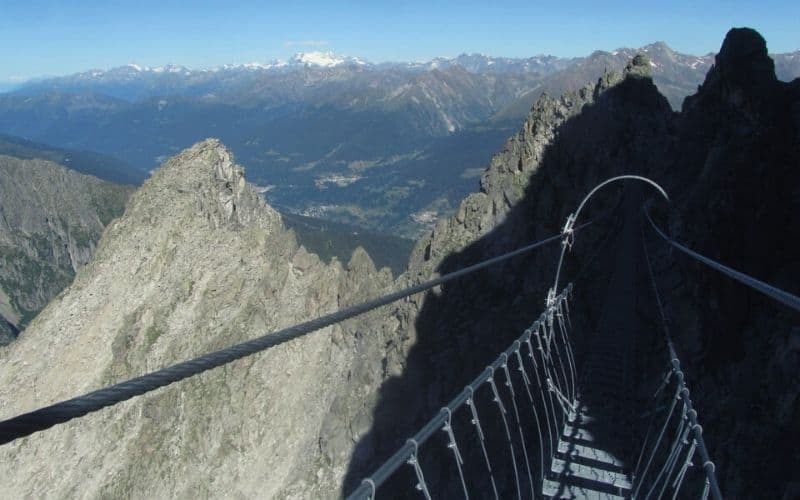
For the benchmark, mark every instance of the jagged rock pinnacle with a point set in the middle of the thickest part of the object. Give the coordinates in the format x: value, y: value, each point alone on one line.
x: 639, y: 67
x: 207, y: 177
x: 743, y: 58
x: 742, y: 76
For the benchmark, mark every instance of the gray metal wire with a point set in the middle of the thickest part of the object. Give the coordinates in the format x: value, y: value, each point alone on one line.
x: 477, y: 423
x: 502, y: 410
x: 466, y: 396
x: 527, y: 382
x: 413, y: 461
x: 773, y: 292
x: 640, y: 480
x: 712, y: 486
x: 562, y: 314
x: 567, y: 231
x: 513, y: 393
x: 676, y: 485
x: 545, y: 407
x: 453, y: 445
x: 44, y: 418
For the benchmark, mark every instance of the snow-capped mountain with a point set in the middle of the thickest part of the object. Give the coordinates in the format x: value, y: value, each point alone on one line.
x: 324, y: 59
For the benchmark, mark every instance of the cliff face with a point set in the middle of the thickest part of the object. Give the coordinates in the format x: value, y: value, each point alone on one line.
x: 736, y: 181
x: 566, y: 146
x: 50, y: 221
x: 729, y: 159
x: 197, y: 262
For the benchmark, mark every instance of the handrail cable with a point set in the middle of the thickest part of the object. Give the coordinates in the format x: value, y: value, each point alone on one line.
x: 541, y: 327
x: 773, y: 292
x: 697, y: 429
x: 464, y: 397
x: 46, y: 417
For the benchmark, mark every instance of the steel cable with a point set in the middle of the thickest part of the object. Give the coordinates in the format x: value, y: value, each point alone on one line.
x: 510, y: 386
x: 477, y: 423
x: 712, y: 486
x: 453, y: 445
x: 44, y: 418
x: 502, y: 410
x: 773, y: 292
x: 527, y: 384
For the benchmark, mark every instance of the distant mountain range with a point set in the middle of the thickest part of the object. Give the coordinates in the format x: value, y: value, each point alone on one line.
x: 232, y: 82
x: 134, y: 82
x: 389, y: 146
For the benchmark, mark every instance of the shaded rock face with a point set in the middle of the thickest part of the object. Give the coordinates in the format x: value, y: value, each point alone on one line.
x: 197, y: 262
x: 566, y: 146
x: 736, y: 188
x: 730, y: 161
x: 51, y: 219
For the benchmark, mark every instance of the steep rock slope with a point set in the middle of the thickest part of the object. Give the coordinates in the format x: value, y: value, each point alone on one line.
x: 730, y: 160
x: 198, y: 261
x: 566, y: 146
x: 735, y: 178
x: 51, y: 218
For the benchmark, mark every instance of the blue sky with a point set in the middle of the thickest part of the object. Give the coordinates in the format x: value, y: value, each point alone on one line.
x: 53, y: 37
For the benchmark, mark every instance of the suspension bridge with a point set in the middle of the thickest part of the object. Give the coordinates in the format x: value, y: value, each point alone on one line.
x: 562, y: 428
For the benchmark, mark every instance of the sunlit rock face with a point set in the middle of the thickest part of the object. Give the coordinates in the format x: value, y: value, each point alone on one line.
x: 197, y: 262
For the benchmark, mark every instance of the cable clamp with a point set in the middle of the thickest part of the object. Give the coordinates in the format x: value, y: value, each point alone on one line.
x: 414, y: 462
x: 448, y: 428
x: 369, y: 482
x: 551, y: 298
x: 569, y: 232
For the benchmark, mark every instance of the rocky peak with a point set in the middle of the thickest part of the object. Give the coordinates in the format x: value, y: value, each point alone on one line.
x: 197, y: 262
x: 742, y: 78
x: 639, y: 67
x: 743, y: 59
x: 205, y: 178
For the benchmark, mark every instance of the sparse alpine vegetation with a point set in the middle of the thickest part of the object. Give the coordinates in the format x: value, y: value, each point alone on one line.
x: 51, y: 219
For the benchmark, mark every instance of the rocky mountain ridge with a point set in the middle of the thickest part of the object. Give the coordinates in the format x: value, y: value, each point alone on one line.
x: 86, y: 162
x: 198, y: 261
x: 51, y: 219
x: 675, y: 74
